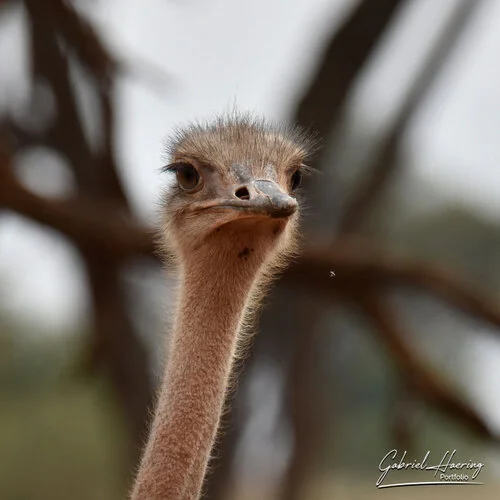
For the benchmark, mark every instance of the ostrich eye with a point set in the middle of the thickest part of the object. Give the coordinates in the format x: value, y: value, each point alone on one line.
x: 296, y: 179
x: 187, y: 176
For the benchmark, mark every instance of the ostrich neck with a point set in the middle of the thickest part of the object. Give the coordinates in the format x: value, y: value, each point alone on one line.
x: 212, y: 303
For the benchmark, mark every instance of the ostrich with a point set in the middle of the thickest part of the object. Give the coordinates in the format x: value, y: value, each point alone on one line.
x: 229, y: 219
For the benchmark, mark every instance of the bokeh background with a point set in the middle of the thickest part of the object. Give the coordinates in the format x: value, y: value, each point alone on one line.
x: 399, y: 349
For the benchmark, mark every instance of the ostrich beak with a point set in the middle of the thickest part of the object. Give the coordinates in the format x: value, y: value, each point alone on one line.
x: 271, y: 200
x: 258, y: 197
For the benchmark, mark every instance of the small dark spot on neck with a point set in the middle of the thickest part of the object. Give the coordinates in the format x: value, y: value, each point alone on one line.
x: 244, y: 253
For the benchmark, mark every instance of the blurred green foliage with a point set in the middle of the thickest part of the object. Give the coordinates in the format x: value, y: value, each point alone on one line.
x: 61, y: 435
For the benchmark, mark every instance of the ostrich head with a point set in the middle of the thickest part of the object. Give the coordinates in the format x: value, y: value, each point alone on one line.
x: 233, y: 184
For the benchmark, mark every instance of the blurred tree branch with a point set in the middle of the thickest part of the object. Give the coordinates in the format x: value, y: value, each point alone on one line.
x: 419, y: 377
x: 385, y: 163
x: 81, y: 36
x: 347, y: 51
x: 97, y: 219
x: 357, y: 264
x: 320, y: 108
x: 99, y: 225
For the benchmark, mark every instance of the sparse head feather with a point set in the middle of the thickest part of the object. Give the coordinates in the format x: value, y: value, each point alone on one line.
x: 240, y: 137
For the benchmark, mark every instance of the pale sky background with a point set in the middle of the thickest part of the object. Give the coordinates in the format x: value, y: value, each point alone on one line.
x: 258, y: 54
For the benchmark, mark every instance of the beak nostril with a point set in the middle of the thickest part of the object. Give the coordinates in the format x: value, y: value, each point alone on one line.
x: 242, y: 193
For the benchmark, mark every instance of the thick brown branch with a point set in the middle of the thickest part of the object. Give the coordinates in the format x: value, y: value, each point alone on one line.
x: 418, y: 376
x: 86, y: 223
